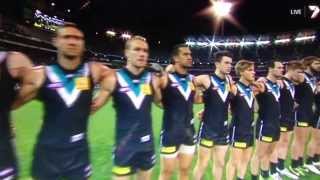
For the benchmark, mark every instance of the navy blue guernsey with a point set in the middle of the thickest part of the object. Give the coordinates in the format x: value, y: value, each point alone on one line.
x: 269, y: 106
x: 7, y: 96
x: 305, y: 98
x: 67, y: 97
x: 286, y: 99
x: 177, y: 99
x: 317, y: 95
x: 242, y: 109
x: 132, y: 99
x: 216, y: 103
x: 316, y: 118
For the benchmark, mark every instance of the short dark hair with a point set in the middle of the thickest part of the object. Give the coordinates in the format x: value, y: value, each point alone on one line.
x: 293, y: 65
x: 272, y: 63
x: 176, y: 49
x: 220, y: 54
x: 307, y: 61
x: 67, y: 25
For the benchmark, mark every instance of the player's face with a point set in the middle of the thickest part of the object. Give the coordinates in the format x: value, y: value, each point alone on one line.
x: 249, y: 74
x: 225, y: 65
x: 315, y: 66
x: 184, y: 57
x: 137, y: 53
x: 70, y: 42
x: 297, y: 75
x: 278, y: 69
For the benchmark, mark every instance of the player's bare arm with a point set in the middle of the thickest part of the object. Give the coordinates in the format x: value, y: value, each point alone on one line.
x: 106, y: 78
x: 32, y: 81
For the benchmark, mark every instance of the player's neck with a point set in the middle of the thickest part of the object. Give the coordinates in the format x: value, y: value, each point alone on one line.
x: 67, y: 63
x: 134, y: 70
x: 309, y: 71
x: 244, y: 81
x: 180, y: 70
x: 288, y: 76
x: 272, y: 78
x: 220, y: 74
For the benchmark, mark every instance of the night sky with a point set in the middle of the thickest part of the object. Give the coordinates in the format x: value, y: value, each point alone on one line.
x: 170, y: 21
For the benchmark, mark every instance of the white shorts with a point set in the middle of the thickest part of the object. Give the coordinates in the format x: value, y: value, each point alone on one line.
x: 173, y: 151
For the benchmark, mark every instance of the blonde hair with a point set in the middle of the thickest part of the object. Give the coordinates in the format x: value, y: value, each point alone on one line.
x: 243, y: 65
x: 134, y: 38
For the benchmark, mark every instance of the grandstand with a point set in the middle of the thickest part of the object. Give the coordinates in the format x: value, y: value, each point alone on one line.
x: 37, y: 44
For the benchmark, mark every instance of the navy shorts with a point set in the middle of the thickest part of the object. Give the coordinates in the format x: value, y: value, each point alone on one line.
x: 241, y: 139
x: 127, y: 161
x: 210, y: 137
x: 267, y: 132
x: 172, y: 142
x: 316, y: 120
x: 8, y: 161
x: 286, y: 125
x: 53, y: 164
x: 185, y: 136
x: 303, y: 118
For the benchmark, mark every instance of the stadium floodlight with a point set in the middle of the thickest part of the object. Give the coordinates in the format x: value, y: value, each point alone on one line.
x: 126, y: 36
x: 212, y: 44
x: 221, y: 8
x: 218, y: 44
x: 304, y: 38
x: 260, y: 43
x: 280, y: 41
x: 202, y: 44
x: 246, y: 43
x: 190, y: 43
x: 111, y: 33
x: 231, y: 44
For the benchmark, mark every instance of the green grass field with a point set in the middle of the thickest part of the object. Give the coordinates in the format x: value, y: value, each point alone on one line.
x: 27, y: 121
